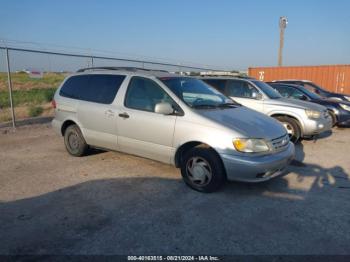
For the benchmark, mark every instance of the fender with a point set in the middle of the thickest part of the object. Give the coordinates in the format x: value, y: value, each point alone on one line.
x: 298, y: 117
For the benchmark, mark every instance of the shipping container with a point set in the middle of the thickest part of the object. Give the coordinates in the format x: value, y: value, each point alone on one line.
x: 335, y: 78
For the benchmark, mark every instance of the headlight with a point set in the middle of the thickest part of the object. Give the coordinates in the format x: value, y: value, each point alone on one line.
x: 347, y: 98
x: 313, y: 113
x: 345, y: 107
x: 250, y: 145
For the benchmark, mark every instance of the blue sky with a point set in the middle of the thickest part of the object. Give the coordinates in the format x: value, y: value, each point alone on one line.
x: 230, y: 34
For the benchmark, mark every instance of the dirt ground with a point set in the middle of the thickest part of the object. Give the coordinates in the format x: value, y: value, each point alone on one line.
x: 113, y: 203
x: 22, y: 112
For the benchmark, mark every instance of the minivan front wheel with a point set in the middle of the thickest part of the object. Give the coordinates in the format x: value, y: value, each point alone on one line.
x: 202, y: 169
x: 292, y: 127
x: 74, y: 141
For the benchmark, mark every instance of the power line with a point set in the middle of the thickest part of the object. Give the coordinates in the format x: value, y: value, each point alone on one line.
x: 107, y: 53
x: 102, y: 57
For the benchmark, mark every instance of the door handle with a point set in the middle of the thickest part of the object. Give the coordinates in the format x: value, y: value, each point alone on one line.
x: 124, y: 115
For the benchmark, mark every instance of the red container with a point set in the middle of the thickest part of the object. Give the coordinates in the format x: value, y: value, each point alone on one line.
x: 335, y: 78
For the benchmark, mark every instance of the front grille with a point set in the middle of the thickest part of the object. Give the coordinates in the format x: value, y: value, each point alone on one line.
x: 280, y: 142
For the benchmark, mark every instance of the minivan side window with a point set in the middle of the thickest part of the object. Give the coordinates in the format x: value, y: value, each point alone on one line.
x: 144, y: 94
x: 240, y: 89
x: 102, y: 88
x: 92, y: 88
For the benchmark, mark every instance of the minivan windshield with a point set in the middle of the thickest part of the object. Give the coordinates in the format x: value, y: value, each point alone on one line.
x: 267, y: 89
x: 196, y: 93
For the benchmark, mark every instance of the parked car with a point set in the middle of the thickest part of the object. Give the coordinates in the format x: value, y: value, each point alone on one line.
x: 316, y: 89
x: 339, y: 110
x: 173, y: 119
x: 300, y: 118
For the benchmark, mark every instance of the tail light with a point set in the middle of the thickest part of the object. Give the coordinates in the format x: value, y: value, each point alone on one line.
x: 53, y: 103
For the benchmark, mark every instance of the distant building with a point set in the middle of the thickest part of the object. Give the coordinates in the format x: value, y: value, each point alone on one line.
x: 32, y: 73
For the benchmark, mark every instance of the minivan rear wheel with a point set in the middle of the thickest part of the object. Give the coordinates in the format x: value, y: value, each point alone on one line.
x: 292, y: 127
x: 202, y: 169
x: 74, y: 141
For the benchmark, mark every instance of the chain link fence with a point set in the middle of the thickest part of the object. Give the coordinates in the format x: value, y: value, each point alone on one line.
x: 29, y: 77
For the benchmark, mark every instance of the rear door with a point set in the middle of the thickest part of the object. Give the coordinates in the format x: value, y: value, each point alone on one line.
x: 96, y: 110
x: 245, y: 94
x: 141, y: 131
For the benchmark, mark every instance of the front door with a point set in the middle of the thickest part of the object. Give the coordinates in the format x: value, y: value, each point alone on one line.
x: 245, y: 94
x: 141, y: 131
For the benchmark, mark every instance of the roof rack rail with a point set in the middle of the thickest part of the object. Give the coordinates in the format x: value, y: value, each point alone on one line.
x: 229, y: 76
x: 133, y: 69
x: 245, y: 77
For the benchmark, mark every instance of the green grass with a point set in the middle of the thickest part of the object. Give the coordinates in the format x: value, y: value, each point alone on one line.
x: 49, y: 79
x: 27, y: 97
x: 35, y: 111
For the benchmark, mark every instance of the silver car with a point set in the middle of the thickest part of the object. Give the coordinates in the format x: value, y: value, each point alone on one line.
x: 173, y: 119
x: 300, y: 118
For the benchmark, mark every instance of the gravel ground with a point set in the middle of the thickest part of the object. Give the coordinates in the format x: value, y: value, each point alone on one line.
x: 113, y: 203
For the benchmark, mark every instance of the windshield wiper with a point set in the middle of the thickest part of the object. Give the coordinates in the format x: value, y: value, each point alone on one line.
x: 204, y: 106
x: 232, y: 105
x: 229, y: 105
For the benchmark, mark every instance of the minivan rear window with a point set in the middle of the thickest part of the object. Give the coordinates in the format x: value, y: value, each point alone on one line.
x: 74, y: 86
x: 93, y: 88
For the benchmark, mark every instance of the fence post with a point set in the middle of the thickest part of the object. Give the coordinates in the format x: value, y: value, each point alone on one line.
x: 92, y: 61
x: 10, y: 88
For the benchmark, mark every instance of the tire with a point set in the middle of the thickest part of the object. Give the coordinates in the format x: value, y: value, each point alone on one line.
x: 202, y: 170
x: 334, y: 118
x: 292, y: 126
x: 74, y: 141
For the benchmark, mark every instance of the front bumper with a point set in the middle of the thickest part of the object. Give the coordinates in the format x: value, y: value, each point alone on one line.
x: 247, y: 168
x: 343, y: 118
x: 317, y: 126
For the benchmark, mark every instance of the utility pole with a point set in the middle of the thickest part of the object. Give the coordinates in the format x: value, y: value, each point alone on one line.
x: 283, y: 24
x: 10, y: 89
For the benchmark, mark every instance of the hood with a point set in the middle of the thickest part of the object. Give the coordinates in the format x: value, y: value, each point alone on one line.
x: 247, y: 122
x: 294, y: 103
x: 339, y: 95
x: 336, y: 101
x: 328, y: 103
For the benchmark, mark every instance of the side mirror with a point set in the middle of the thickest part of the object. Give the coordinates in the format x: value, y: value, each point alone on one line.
x: 163, y: 108
x: 304, y: 97
x: 257, y: 96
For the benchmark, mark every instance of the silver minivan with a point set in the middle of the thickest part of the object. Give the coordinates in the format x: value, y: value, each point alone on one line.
x: 173, y: 119
x: 300, y: 118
